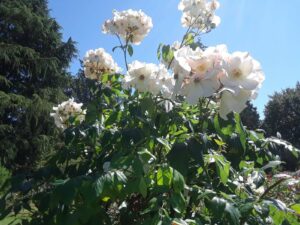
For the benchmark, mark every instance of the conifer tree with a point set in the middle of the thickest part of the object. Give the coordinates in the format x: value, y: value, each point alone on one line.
x: 33, y: 77
x: 250, y: 117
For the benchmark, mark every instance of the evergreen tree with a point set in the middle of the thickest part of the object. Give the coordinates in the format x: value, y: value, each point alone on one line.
x: 250, y: 117
x: 282, y: 114
x: 33, y: 77
x: 81, y: 88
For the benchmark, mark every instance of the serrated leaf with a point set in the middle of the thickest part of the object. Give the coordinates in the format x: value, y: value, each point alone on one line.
x: 223, y: 168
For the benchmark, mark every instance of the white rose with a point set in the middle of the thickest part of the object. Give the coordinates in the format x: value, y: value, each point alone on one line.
x: 132, y: 26
x: 199, y: 14
x: 180, y: 65
x: 65, y: 110
x: 141, y: 76
x: 233, y: 102
x: 242, y: 72
x: 97, y: 62
x: 203, y: 81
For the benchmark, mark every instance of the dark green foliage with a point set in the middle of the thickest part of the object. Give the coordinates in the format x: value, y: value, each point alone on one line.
x: 131, y: 162
x: 33, y: 77
x: 282, y: 114
x: 80, y: 88
x: 250, y: 117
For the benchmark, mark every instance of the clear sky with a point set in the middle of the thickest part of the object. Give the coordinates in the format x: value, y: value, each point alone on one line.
x: 268, y: 29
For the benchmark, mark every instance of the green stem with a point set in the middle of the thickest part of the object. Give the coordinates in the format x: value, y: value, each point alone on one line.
x: 124, y: 49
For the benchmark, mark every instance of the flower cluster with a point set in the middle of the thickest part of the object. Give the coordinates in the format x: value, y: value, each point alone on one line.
x: 199, y: 74
x: 148, y: 77
x: 97, y: 62
x: 228, y: 79
x: 131, y: 25
x: 64, y: 111
x: 199, y: 14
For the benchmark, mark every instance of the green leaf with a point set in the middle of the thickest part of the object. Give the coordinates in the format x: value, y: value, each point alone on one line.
x: 59, y: 182
x: 233, y: 213
x: 167, y: 53
x: 272, y: 164
x: 179, y: 222
x: 296, y: 208
x: 143, y: 187
x: 278, y: 216
x: 189, y: 39
x: 245, y: 209
x: 110, y: 185
x: 114, y: 117
x: 178, y: 181
x: 130, y: 50
x: 277, y: 203
x: 223, y: 168
x: 148, y: 106
x: 217, y: 206
x: 178, y: 203
x: 159, y: 51
x: 66, y: 192
x: 152, y: 206
x: 164, y: 176
x: 223, y: 127
x: 240, y: 130
x: 164, y: 143
x: 146, y: 156
x: 99, y: 185
x: 120, y: 177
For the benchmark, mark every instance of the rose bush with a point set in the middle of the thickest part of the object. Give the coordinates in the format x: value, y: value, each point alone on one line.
x: 162, y: 144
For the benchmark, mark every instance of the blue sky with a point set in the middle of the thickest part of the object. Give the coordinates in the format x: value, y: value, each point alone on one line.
x: 268, y: 29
